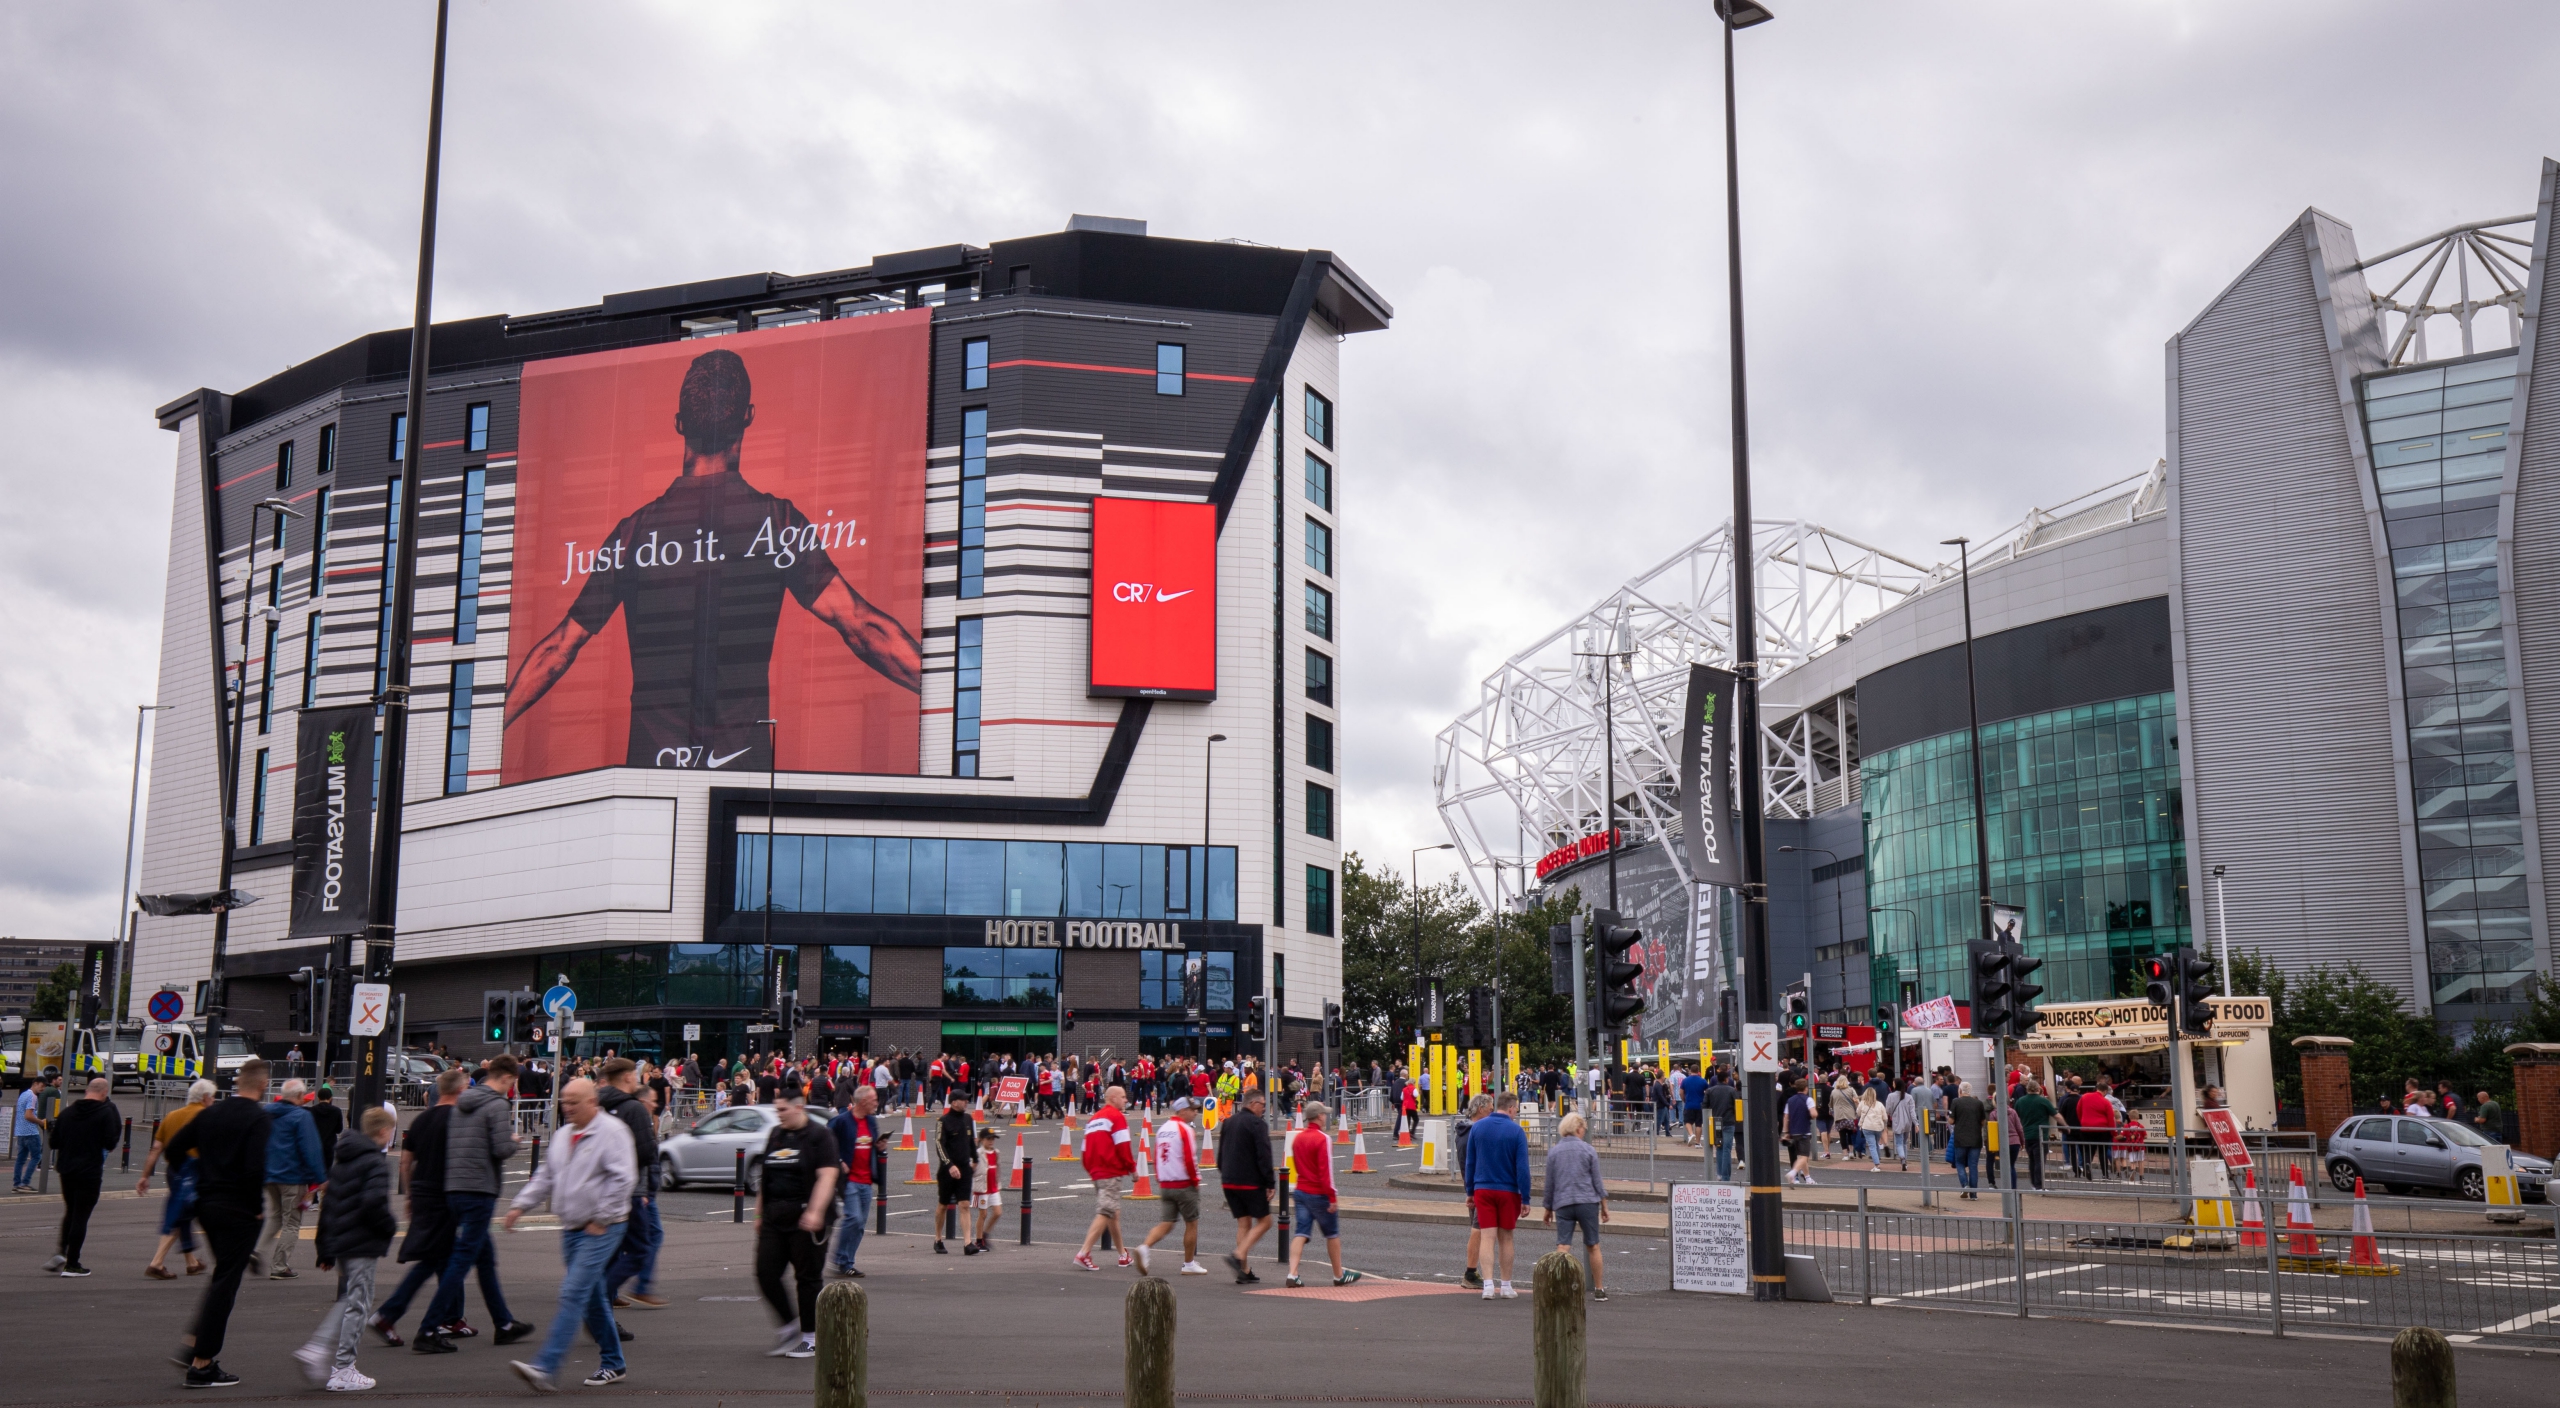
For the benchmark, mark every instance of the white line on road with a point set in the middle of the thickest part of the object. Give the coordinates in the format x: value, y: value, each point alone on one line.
x: 2521, y: 1322
x: 1997, y: 1281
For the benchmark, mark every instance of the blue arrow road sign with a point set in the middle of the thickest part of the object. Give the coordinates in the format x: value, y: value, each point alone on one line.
x: 560, y: 1001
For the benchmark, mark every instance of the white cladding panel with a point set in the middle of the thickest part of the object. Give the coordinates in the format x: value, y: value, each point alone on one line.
x: 595, y: 857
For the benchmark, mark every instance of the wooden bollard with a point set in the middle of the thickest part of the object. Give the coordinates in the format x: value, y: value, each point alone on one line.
x: 1557, y: 1315
x: 1148, y: 1372
x: 844, y: 1346
x: 2421, y: 1369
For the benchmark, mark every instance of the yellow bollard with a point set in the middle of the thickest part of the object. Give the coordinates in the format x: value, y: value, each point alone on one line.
x: 1475, y: 1074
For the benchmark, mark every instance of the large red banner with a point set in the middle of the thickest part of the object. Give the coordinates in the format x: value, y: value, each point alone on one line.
x: 717, y: 532
x: 1155, y: 599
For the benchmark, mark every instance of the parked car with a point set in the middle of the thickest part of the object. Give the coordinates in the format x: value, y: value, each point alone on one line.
x: 706, y: 1151
x: 2399, y: 1152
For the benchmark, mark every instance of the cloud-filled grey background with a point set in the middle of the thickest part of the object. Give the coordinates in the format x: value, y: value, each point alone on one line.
x: 1969, y: 228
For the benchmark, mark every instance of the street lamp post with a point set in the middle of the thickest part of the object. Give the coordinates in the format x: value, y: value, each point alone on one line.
x: 124, y: 882
x: 1760, y: 1110
x: 1981, y: 825
x: 217, y: 997
x: 1421, y: 984
x: 772, y: 777
x: 1839, y: 933
x: 1901, y: 1003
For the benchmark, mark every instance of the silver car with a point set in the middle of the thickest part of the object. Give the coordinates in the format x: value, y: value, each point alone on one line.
x: 707, y: 1151
x: 2395, y: 1152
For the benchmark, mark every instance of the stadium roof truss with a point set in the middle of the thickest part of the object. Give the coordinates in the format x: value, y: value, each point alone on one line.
x: 2486, y: 252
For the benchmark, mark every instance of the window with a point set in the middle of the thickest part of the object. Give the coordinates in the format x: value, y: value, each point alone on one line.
x: 466, y: 586
x: 258, y: 801
x: 999, y: 977
x: 973, y: 364
x: 275, y: 581
x: 1319, y: 810
x: 1319, y: 612
x: 1319, y: 900
x: 284, y: 474
x: 400, y: 435
x: 965, y: 674
x: 328, y: 450
x: 1319, y: 743
x: 844, y: 976
x: 311, y: 660
x: 1319, y: 418
x: 973, y: 502
x: 705, y: 975
x: 475, y: 431
x: 1160, y: 979
x: 457, y: 732
x: 275, y: 534
x: 1168, y: 369
x: 1319, y: 676
x: 320, y: 544
x: 267, y: 675
x: 382, y: 617
x: 1319, y: 483
x: 1319, y: 548
x: 1031, y: 879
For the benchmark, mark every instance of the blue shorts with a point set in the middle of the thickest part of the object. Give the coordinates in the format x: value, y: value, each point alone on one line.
x: 1583, y: 1215
x: 1316, y: 1215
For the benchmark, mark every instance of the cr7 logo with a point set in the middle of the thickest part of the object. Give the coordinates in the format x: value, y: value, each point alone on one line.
x: 1145, y: 591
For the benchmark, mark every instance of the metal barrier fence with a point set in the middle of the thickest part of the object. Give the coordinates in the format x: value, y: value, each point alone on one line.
x: 2124, y: 1269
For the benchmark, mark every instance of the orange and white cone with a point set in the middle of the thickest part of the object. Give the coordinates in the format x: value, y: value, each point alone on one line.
x: 1297, y: 1121
x: 978, y: 1111
x: 1144, y: 1188
x: 1342, y: 1132
x: 2253, y: 1219
x: 1018, y: 1160
x: 1404, y: 1136
x: 924, y: 1167
x: 2301, y: 1238
x: 907, y: 1135
x: 2365, y: 1252
x: 1066, y: 1146
x: 1021, y: 1114
x: 1359, y: 1152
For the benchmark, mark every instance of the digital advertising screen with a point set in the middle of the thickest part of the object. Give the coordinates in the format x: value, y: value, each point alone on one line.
x: 716, y: 532
x: 1155, y: 599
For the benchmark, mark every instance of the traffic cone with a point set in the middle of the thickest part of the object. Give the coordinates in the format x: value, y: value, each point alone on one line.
x: 1359, y: 1152
x: 907, y: 1135
x: 2253, y: 1219
x: 2301, y: 1239
x: 1144, y: 1188
x: 1404, y: 1136
x: 1017, y: 1162
x: 924, y: 1167
x: 978, y: 1111
x: 2364, y: 1251
x: 1021, y: 1114
x: 1296, y: 1122
x: 1066, y: 1146
x: 1342, y: 1132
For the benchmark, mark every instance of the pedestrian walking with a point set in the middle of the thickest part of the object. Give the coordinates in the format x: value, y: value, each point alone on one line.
x: 1966, y: 1115
x: 618, y: 1092
x: 1577, y: 1196
x: 1800, y: 1123
x: 356, y: 1227
x: 955, y: 1150
x: 1497, y: 1182
x: 2035, y: 1112
x: 1177, y: 1158
x: 229, y: 1144
x: 1245, y: 1178
x: 795, y: 1200
x: 479, y: 1141
x: 1693, y: 1107
x: 295, y: 1166
x: 986, y: 1194
x: 1109, y: 1160
x: 1311, y: 1157
x: 1723, y: 1101
x: 82, y: 1134
x: 329, y: 1122
x: 177, y: 1214
x: 30, y: 1128
x: 1872, y: 1123
x: 587, y: 1176
x: 857, y: 1134
x: 1902, y: 1115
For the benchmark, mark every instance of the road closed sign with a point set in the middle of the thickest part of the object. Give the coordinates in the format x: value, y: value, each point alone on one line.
x: 1009, y: 1090
x: 1760, y: 1047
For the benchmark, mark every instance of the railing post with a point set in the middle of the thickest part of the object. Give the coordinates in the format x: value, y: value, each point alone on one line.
x: 1557, y: 1328
x: 2018, y: 1247
x: 1866, y: 1257
x: 844, y: 1346
x: 2275, y: 1281
x: 2421, y: 1369
x: 1147, y: 1372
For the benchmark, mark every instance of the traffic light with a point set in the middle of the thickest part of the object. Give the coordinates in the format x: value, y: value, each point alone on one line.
x: 1332, y: 1024
x: 1728, y: 1017
x: 298, y: 1002
x: 2023, y: 992
x: 2161, y: 987
x: 1619, y: 970
x: 1989, y: 963
x: 1067, y: 1020
x: 2194, y: 972
x: 524, y: 1013
x: 1560, y: 959
x: 1253, y: 1010
x: 1799, y: 1010
x: 496, y: 1028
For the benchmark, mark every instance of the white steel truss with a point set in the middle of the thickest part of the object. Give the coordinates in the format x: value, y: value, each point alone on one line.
x: 1523, y: 771
x: 2502, y: 260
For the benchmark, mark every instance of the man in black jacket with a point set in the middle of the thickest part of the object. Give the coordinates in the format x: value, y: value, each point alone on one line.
x: 956, y: 1145
x: 82, y: 1134
x: 229, y: 1144
x: 356, y: 1228
x: 330, y: 1122
x: 620, y: 1097
x: 1245, y: 1176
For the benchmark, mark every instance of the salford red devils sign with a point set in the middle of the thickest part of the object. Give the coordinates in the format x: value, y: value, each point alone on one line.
x: 1155, y: 599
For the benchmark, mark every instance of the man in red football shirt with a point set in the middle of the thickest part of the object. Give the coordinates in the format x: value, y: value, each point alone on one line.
x: 1108, y: 1161
x: 1311, y: 1158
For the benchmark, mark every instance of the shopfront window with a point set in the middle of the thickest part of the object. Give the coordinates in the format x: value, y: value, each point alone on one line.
x: 1031, y: 879
x: 845, y: 976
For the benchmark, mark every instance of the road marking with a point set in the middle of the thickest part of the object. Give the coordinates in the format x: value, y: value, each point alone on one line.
x: 2521, y: 1322
x: 1998, y: 1281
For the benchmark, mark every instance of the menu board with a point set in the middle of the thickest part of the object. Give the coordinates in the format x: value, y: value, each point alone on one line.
x: 1710, y: 1238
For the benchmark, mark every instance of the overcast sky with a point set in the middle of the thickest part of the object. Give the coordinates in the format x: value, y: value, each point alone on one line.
x: 1969, y: 229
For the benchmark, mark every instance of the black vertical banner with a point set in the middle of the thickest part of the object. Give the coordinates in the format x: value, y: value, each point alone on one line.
x: 1706, y: 778
x: 93, y: 983
x: 333, y: 822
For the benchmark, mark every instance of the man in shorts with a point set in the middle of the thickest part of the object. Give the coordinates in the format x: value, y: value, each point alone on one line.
x: 1109, y: 1160
x: 1177, y: 1188
x: 1311, y: 1155
x: 1245, y: 1177
x: 1497, y: 1180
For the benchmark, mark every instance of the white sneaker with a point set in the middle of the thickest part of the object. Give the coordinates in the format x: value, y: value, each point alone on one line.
x: 1193, y: 1268
x: 314, y: 1359
x: 785, y: 1340
x: 1508, y: 1293
x: 347, y: 1380
x: 1491, y: 1292
x: 1142, y: 1253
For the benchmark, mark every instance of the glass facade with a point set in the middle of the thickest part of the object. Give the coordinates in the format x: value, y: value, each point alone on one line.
x: 1000, y: 977
x: 1160, y: 979
x: 655, y: 975
x: 2086, y: 836
x: 2439, y: 438
x: 1031, y: 879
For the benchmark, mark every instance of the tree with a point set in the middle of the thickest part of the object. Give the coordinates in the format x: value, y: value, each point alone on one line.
x: 52, y: 1002
x: 2392, y: 1044
x: 1461, y: 944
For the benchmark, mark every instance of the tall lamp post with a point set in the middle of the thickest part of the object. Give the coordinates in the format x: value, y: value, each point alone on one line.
x: 124, y: 881
x: 1839, y: 935
x: 1421, y: 983
x: 1899, y: 1003
x: 217, y: 995
x: 1981, y: 826
x: 772, y: 778
x: 1760, y: 1108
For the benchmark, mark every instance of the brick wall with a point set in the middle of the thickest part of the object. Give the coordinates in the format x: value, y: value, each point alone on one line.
x: 2538, y: 1104
x: 907, y: 977
x: 2328, y: 1096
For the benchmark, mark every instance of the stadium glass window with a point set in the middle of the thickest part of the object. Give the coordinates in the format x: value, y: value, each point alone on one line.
x: 466, y: 586
x: 1319, y: 743
x: 844, y: 976
x: 258, y: 801
x: 973, y: 502
x: 1319, y: 483
x: 311, y: 660
x: 1319, y: 810
x: 1034, y: 879
x: 973, y: 364
x: 457, y: 732
x: 966, y: 669
x: 1168, y: 369
x: 475, y: 427
x: 1319, y: 612
x: 328, y: 456
x: 1319, y: 676
x: 284, y: 474
x: 1319, y: 900
x: 267, y: 676
x: 1319, y: 418
x: 1319, y: 548
x: 399, y: 436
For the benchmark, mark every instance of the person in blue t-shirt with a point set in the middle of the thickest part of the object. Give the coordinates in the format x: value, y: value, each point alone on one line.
x: 1799, y: 1132
x: 1693, y: 1106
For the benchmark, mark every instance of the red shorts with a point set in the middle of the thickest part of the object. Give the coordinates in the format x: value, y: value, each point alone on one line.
x: 1496, y: 1210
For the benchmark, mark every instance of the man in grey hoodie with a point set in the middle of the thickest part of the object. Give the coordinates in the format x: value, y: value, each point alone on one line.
x: 587, y: 1177
x: 477, y: 1145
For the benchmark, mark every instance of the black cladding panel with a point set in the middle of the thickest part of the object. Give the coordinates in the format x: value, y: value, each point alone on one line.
x: 2114, y: 652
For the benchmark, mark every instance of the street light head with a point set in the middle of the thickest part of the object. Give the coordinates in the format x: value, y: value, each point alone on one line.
x: 1217, y: 738
x: 769, y: 723
x: 1742, y: 14
x: 1953, y: 542
x: 272, y: 504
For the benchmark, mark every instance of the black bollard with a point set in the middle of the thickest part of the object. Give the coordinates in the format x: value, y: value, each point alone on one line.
x: 738, y: 1191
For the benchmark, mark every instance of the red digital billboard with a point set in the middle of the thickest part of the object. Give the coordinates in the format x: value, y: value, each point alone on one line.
x: 1155, y: 599
x: 716, y: 532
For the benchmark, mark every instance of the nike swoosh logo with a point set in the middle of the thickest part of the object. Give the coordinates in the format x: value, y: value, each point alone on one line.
x: 1168, y: 596
x: 718, y: 760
